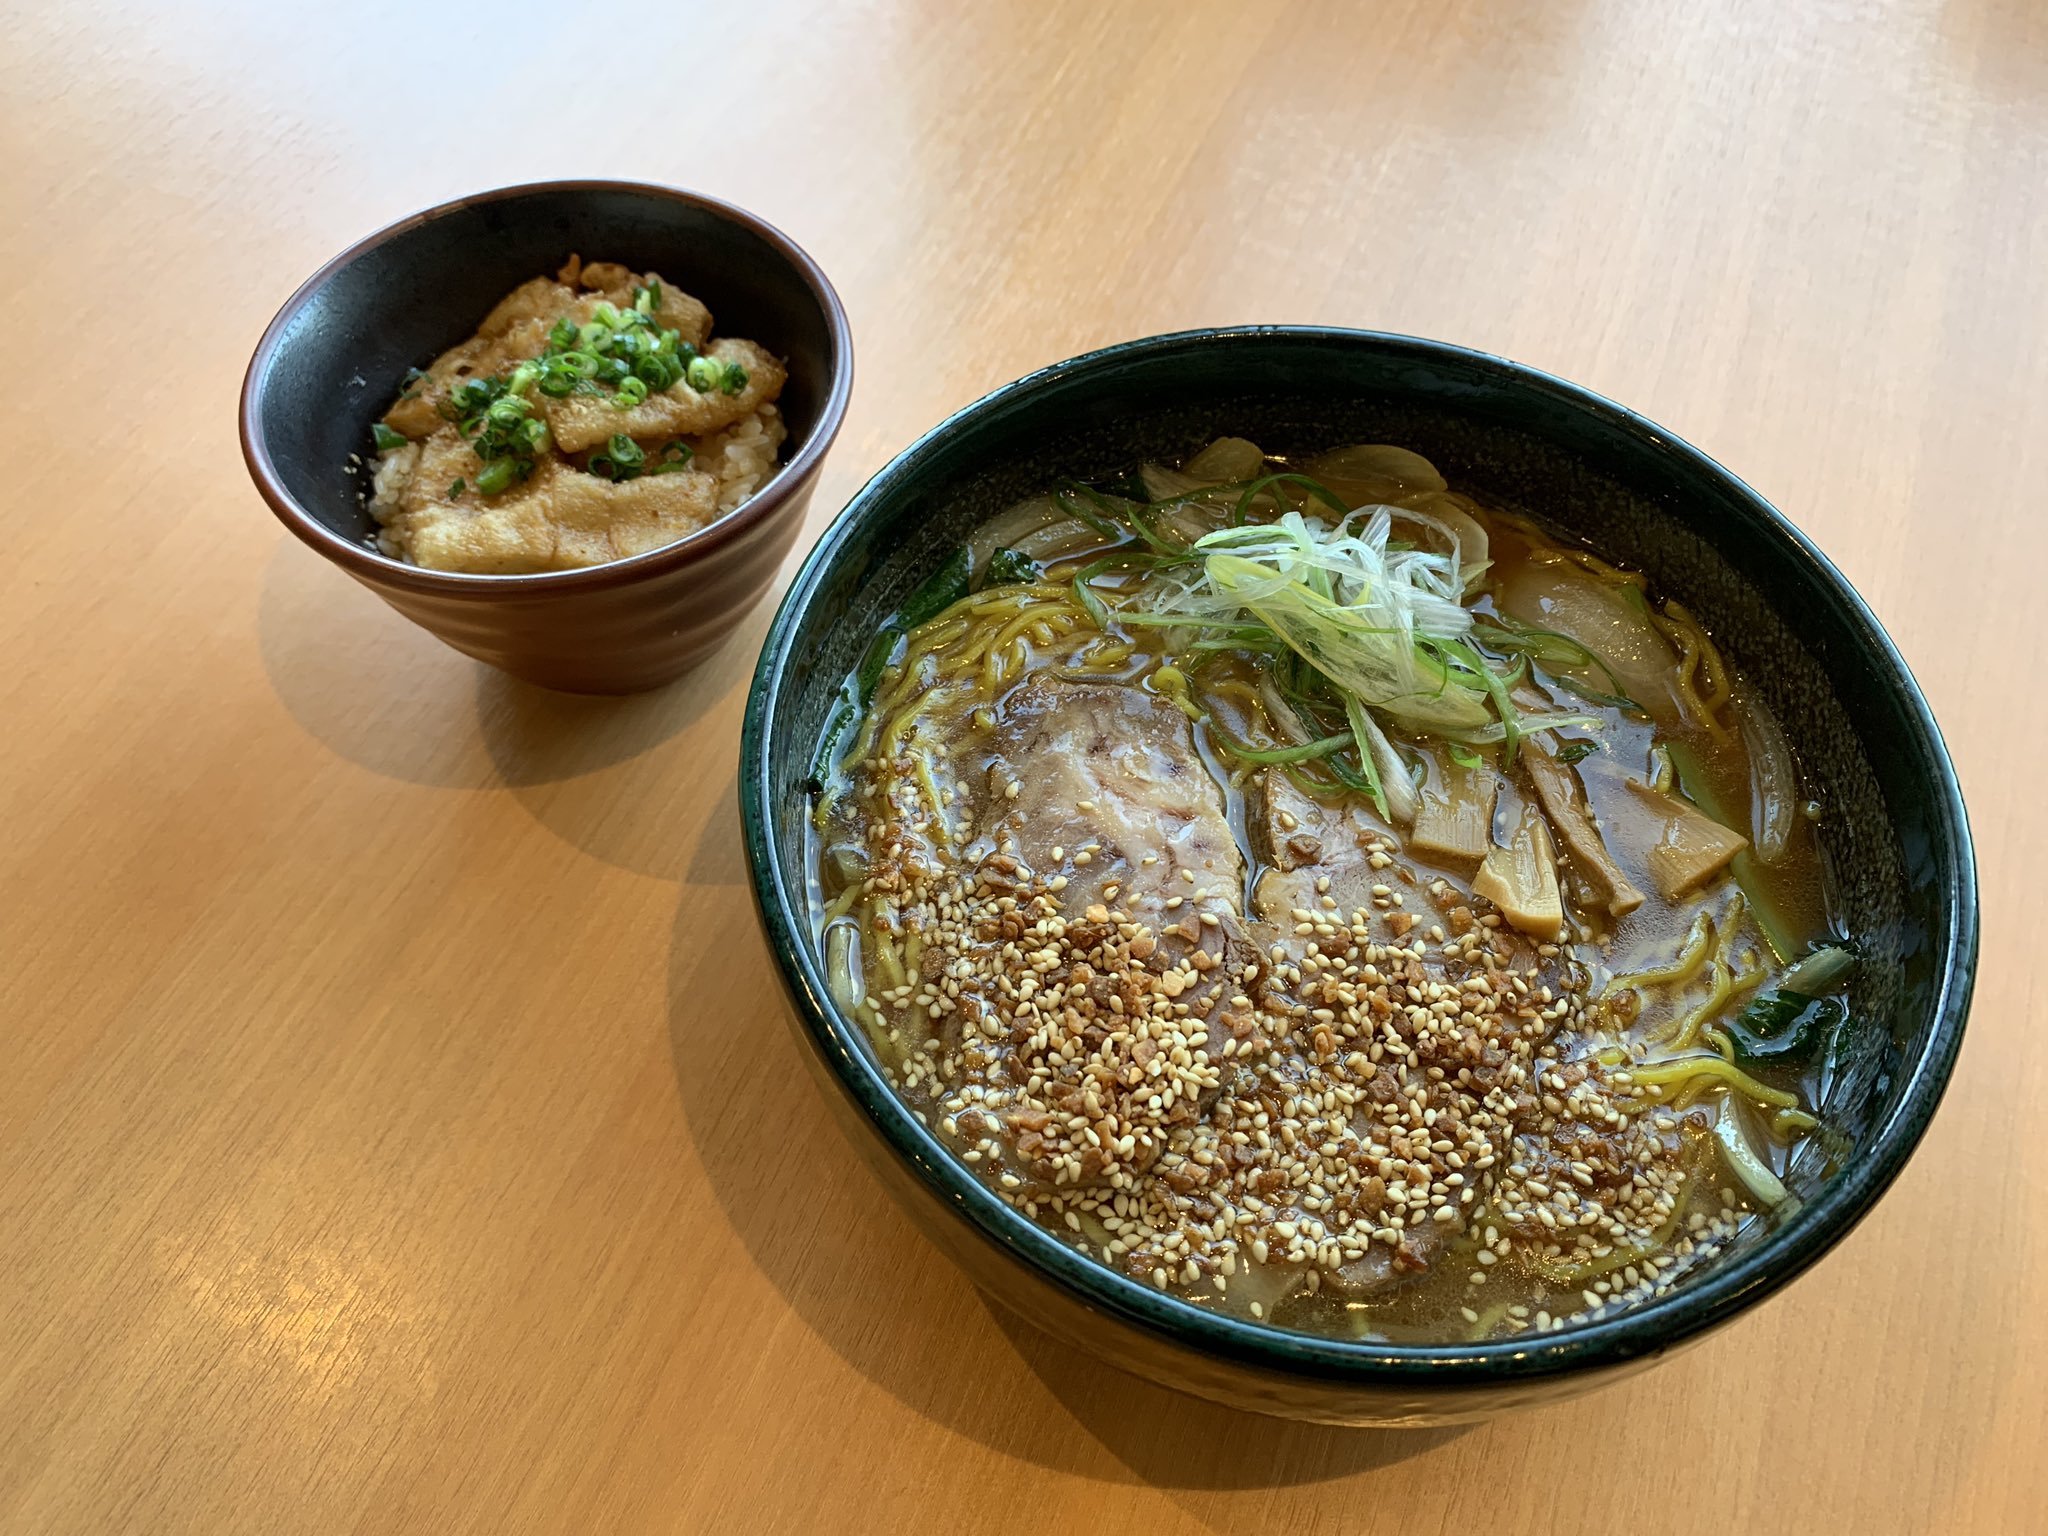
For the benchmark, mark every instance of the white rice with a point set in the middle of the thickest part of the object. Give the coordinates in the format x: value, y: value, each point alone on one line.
x: 743, y: 455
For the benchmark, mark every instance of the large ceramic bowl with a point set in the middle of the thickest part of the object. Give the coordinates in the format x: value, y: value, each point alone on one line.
x: 1896, y: 833
x: 330, y: 363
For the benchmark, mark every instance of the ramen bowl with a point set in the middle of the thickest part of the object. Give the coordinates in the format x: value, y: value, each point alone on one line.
x: 1896, y: 836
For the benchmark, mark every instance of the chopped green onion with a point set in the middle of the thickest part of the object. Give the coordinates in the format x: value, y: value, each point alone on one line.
x: 704, y: 374
x: 632, y: 390
x: 657, y: 370
x: 563, y: 335
x: 524, y: 377
x: 1088, y: 519
x: 647, y: 300
x: 471, y: 398
x: 676, y: 456
x: 386, y: 439
x: 457, y: 488
x: 734, y: 379
x: 499, y: 474
x: 624, y: 459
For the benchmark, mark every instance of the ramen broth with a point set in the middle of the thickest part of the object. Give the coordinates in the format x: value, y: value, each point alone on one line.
x: 1331, y: 899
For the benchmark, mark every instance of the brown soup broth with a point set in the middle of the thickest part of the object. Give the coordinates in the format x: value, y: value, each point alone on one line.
x: 1665, y: 731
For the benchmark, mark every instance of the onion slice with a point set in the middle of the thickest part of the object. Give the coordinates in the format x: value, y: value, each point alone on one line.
x: 1754, y: 1172
x: 1773, y: 785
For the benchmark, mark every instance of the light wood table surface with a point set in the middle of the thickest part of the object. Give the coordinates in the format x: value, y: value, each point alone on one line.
x: 398, y: 1126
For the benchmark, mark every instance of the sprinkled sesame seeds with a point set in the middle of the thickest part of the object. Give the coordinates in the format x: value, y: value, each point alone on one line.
x: 1362, y: 1100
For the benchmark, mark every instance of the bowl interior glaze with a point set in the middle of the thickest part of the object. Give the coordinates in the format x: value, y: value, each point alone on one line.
x: 1895, y: 832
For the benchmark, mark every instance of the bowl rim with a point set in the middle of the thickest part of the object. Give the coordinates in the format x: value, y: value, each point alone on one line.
x: 1645, y: 1330
x: 374, y: 566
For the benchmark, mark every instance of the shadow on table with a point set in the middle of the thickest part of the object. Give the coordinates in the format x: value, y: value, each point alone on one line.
x: 625, y: 779
x: 362, y: 681
x: 857, y: 1272
x: 388, y: 696
x: 1171, y: 1440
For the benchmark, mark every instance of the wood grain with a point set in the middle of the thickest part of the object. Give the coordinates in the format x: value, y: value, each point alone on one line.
x: 398, y: 1130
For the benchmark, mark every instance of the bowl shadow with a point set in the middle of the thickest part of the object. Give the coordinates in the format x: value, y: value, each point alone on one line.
x: 365, y: 683
x: 857, y: 1272
x: 615, y: 776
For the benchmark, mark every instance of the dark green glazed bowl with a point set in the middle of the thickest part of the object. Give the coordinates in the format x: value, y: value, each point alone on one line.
x: 1895, y: 832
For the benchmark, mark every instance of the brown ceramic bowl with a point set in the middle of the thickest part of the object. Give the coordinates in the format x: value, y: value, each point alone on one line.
x: 331, y: 362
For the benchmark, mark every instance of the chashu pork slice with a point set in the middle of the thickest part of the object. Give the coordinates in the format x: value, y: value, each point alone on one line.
x: 1093, y: 795
x: 1347, y: 906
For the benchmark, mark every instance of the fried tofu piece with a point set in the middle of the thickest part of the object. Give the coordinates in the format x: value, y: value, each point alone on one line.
x: 559, y: 519
x: 517, y: 329
x: 561, y: 516
x: 581, y: 422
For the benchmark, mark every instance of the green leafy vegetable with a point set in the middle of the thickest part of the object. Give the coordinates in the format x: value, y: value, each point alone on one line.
x: 1008, y: 568
x: 1785, y: 1026
x: 828, y: 749
x: 876, y: 660
x: 938, y: 592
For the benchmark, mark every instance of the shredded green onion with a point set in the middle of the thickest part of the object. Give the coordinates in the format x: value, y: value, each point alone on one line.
x: 1301, y: 754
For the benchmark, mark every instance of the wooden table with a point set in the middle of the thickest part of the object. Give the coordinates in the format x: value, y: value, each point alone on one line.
x: 398, y: 1129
